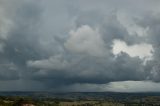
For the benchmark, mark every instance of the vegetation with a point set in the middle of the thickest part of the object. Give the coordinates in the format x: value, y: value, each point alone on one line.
x: 109, y: 101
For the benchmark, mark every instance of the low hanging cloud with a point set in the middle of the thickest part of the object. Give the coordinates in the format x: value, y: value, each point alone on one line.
x: 56, y: 62
x: 68, y: 44
x: 120, y: 86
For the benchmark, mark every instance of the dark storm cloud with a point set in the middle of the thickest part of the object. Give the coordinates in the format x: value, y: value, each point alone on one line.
x: 153, y: 23
x: 20, y: 38
x: 62, y: 43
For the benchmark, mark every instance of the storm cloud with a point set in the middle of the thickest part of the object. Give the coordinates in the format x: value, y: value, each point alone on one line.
x: 79, y: 45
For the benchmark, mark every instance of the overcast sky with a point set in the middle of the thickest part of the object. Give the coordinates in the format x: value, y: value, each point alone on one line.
x: 80, y: 45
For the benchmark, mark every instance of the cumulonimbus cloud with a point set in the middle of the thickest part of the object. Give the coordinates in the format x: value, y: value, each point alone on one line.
x: 79, y: 42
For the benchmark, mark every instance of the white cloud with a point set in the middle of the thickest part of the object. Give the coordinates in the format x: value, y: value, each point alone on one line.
x: 86, y: 40
x: 142, y: 50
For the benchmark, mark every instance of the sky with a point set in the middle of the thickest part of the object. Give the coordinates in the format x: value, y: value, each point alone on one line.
x: 80, y: 45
